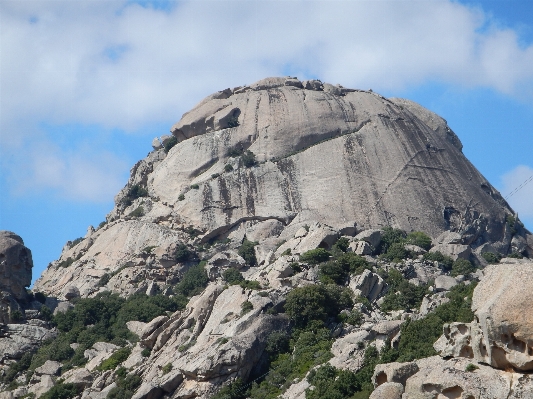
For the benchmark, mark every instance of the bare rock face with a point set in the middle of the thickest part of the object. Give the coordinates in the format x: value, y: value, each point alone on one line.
x: 15, y: 265
x: 382, y: 157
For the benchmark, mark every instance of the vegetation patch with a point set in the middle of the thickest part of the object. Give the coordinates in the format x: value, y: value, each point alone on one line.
x: 247, y: 252
x: 315, y: 256
x: 115, y: 359
x: 193, y: 281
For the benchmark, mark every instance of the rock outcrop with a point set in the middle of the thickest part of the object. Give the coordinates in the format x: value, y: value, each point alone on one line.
x: 502, y: 333
x: 248, y: 181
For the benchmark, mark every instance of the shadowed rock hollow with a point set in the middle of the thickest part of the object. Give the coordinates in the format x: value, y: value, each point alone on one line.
x: 327, y: 154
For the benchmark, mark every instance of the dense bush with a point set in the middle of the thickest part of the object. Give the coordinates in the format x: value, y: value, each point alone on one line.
x: 228, y: 167
x: 491, y: 257
x: 316, y: 302
x: 137, y: 191
x: 102, y: 318
x: 340, y: 246
x: 137, y: 212
x: 462, y: 266
x: 333, y: 272
x: 115, y: 359
x: 170, y: 143
x: 307, y: 348
x: 420, y: 239
x: 183, y: 253
x: 126, y: 385
x: 248, y: 159
x: 62, y: 391
x: 446, y: 261
x: 232, y: 276
x: 401, y: 293
x: 389, y: 237
x: 396, y: 252
x: 315, y: 256
x: 417, y: 337
x: 247, y: 251
x: 193, y: 281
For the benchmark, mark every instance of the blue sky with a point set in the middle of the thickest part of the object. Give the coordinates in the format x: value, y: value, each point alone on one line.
x: 85, y: 86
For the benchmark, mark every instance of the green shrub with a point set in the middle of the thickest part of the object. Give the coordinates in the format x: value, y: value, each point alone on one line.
x: 233, y: 121
x: 396, y: 252
x: 462, y: 267
x: 17, y: 368
x: 516, y: 255
x: 248, y: 159
x: 307, y: 348
x: 66, y: 263
x: 76, y: 242
x: 355, y: 318
x: 126, y: 385
x: 333, y: 272
x: 235, y: 152
x: 246, y: 307
x: 137, y: 212
x: 491, y: 257
x: 146, y: 352
x: 316, y: 302
x: 115, y: 359
x: 511, y: 222
x: 355, y: 263
x: 181, y: 197
x: 437, y: 256
x: 401, y: 293
x: 215, y: 175
x: 341, y: 245
x: 45, y: 313
x: 420, y: 239
x: 277, y: 342
x: 195, y: 186
x: 62, y: 391
x: 234, y: 390
x: 389, y: 237
x: 286, y: 252
x: 104, y: 280
x: 167, y: 368
x: 228, y: 168
x: 102, y: 224
x: 137, y: 191
x: 417, y: 337
x: 315, y: 256
x: 471, y: 367
x: 193, y: 281
x: 16, y: 316
x: 182, y: 253
x: 295, y: 266
x: 247, y: 252
x: 232, y: 276
x: 170, y: 143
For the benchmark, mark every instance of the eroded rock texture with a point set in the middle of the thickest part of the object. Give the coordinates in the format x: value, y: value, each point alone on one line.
x: 324, y: 155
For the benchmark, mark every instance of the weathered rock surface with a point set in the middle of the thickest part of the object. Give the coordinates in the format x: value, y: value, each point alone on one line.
x: 15, y: 265
x: 289, y: 128
x: 502, y: 333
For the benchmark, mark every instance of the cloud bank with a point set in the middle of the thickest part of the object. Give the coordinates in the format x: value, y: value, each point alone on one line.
x: 120, y: 65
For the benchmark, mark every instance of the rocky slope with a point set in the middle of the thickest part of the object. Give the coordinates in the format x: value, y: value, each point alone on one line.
x: 274, y: 238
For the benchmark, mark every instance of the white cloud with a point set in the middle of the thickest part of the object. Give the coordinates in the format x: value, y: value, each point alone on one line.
x: 120, y: 65
x: 522, y: 200
x: 82, y: 173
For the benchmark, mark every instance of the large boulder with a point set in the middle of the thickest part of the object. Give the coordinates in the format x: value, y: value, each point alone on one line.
x: 502, y: 304
x: 15, y: 265
x: 290, y: 126
x: 502, y: 333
